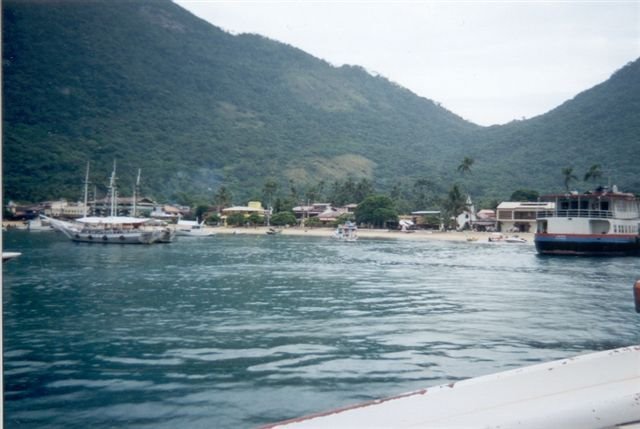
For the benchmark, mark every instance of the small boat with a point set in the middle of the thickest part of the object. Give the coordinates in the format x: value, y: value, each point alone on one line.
x: 601, y: 222
x: 347, y: 232
x: 38, y: 224
x: 7, y: 256
x: 496, y: 237
x: 592, y: 391
x: 407, y: 226
x: 274, y: 231
x: 192, y: 228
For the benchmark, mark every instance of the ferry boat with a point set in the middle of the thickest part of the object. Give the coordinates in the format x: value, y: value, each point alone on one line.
x: 601, y: 222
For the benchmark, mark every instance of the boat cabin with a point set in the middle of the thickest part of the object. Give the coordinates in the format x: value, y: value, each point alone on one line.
x: 598, y: 212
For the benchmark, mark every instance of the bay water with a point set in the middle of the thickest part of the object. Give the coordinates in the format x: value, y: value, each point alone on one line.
x: 243, y: 330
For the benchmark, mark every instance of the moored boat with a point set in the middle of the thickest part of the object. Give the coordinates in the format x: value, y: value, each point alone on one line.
x: 347, y: 232
x: 38, y: 224
x: 192, y: 228
x: 112, y: 229
x: 496, y: 237
x: 603, y: 222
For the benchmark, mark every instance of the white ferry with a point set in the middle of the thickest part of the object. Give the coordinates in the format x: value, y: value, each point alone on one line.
x: 602, y: 222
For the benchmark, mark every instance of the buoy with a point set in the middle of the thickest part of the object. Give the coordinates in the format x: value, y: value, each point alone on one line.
x: 636, y: 295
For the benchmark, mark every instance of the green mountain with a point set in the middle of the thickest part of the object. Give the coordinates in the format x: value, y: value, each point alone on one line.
x: 599, y: 126
x: 147, y: 83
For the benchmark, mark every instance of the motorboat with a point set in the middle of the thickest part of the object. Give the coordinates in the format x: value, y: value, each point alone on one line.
x: 38, y: 224
x: 496, y: 237
x: 347, y: 232
x: 192, y: 228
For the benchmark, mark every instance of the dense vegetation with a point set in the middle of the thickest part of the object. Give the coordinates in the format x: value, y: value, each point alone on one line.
x: 200, y: 110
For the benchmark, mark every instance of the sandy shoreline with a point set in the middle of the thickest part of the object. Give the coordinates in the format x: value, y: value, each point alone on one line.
x: 470, y: 236
x: 467, y: 236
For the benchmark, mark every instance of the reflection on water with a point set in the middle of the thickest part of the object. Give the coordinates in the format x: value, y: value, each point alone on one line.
x: 237, y: 331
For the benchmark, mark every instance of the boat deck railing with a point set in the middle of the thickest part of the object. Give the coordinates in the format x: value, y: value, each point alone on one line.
x: 597, y: 214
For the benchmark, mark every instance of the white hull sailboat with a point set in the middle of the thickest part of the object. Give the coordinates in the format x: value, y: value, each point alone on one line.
x: 112, y: 229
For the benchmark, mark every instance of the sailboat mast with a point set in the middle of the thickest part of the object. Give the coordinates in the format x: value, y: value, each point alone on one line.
x: 135, y: 195
x: 86, y: 192
x: 114, y: 193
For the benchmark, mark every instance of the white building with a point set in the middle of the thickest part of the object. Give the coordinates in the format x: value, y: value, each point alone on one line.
x: 520, y: 216
x: 465, y: 219
x: 64, y: 209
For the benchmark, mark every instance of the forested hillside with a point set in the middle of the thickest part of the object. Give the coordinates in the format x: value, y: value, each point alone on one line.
x: 149, y: 84
x: 599, y: 126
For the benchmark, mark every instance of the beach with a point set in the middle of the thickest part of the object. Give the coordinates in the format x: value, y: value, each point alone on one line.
x: 365, y: 233
x: 465, y: 236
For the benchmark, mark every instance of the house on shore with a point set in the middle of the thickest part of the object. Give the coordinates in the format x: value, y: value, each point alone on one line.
x: 427, y: 219
x: 485, y: 221
x: 520, y: 216
x: 251, y: 208
x: 125, y: 206
x: 169, y: 213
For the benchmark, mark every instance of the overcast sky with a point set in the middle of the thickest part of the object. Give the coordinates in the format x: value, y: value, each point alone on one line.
x: 489, y: 62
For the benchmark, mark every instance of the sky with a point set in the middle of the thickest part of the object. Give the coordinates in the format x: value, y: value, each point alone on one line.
x: 489, y: 62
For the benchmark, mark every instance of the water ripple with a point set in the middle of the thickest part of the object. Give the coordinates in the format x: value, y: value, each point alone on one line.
x: 238, y: 331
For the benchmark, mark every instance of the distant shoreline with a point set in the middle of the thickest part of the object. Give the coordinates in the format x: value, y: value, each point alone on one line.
x: 419, y: 235
x: 470, y: 236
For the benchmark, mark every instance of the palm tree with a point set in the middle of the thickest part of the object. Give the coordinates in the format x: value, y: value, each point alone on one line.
x: 567, y: 172
x: 223, y: 197
x: 594, y: 173
x: 456, y: 202
x: 465, y: 166
x: 269, y: 190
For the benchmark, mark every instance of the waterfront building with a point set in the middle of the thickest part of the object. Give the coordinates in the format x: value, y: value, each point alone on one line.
x: 251, y: 208
x: 485, y: 221
x: 520, y: 216
x: 64, y: 209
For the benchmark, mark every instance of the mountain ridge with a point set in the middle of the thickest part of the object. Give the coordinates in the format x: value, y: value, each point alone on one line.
x: 197, y: 108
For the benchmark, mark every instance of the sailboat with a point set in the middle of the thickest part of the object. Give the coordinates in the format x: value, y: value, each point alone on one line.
x: 112, y: 229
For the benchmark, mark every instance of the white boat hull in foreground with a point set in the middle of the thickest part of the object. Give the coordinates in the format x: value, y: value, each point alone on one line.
x: 598, y: 390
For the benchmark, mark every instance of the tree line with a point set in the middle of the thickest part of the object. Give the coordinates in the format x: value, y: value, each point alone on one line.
x: 380, y: 209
